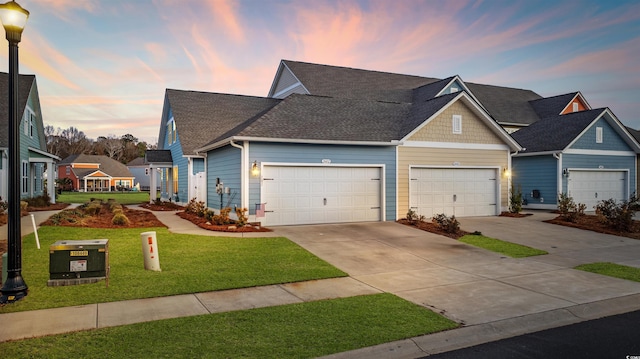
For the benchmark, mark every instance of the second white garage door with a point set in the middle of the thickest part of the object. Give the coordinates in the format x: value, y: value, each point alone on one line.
x: 328, y: 194
x: 590, y: 187
x: 453, y: 191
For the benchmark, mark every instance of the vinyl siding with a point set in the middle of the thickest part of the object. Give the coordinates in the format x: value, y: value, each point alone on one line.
x: 446, y: 157
x: 315, y: 154
x: 287, y: 79
x: 611, y: 140
x: 224, y: 163
x: 440, y: 129
x: 536, y: 173
x: 183, y: 170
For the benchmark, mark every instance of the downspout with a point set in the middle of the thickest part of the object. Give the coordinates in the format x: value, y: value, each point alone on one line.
x: 558, y: 156
x: 244, y: 183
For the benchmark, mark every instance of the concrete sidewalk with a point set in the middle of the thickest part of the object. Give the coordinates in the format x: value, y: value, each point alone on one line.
x: 492, y: 296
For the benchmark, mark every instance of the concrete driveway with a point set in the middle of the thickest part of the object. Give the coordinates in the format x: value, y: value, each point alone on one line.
x: 472, y: 285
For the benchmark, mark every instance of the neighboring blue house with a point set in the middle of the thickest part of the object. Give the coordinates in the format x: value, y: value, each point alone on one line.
x: 37, y: 165
x: 587, y: 154
x: 141, y: 172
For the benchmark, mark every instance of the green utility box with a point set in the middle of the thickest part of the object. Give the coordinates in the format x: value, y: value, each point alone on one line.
x: 78, y: 262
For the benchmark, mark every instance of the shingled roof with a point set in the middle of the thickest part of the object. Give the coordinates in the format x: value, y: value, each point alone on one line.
x: 506, y: 105
x: 202, y: 116
x: 25, y: 82
x: 555, y: 133
x: 552, y: 106
x: 107, y: 165
x: 346, y: 82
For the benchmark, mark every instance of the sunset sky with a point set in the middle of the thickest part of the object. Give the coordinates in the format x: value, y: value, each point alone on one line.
x: 102, y: 66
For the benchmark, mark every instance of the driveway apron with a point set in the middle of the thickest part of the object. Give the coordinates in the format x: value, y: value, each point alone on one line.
x: 469, y: 284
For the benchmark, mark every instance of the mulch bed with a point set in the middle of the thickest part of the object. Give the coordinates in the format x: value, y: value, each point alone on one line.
x: 593, y: 223
x: 137, y: 219
x: 203, y: 223
x: 433, y: 228
x: 163, y: 206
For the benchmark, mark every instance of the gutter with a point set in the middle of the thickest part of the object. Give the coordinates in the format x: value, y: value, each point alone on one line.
x: 244, y: 173
x: 298, y: 141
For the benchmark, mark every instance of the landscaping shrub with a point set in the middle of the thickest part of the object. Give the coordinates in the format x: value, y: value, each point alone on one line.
x: 223, y: 217
x: 40, y: 201
x: 196, y: 207
x: 515, y: 199
x: 23, y: 206
x: 569, y: 210
x: 413, y: 217
x: 618, y: 215
x: 242, y: 216
x: 3, y: 206
x: 448, y: 224
x: 93, y: 208
x: 120, y: 219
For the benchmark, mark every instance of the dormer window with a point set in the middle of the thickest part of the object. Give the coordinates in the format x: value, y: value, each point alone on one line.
x: 598, y: 134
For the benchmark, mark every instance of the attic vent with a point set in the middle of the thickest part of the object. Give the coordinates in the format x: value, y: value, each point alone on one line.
x: 575, y: 107
x: 456, y: 123
x: 454, y: 90
x: 598, y: 134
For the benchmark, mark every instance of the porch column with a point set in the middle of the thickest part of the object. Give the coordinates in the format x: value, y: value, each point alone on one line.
x: 85, y: 184
x: 152, y: 184
x: 51, y: 181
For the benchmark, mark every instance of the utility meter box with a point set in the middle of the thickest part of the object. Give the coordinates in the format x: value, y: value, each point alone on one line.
x: 78, y: 262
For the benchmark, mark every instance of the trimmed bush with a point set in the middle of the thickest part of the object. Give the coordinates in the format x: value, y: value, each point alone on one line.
x: 120, y: 219
x: 569, y: 210
x: 618, y: 216
x: 448, y: 224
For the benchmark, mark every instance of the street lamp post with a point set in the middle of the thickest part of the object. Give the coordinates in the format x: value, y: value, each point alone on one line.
x: 13, y: 17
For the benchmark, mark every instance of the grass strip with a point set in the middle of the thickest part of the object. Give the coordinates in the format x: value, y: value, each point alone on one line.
x: 189, y: 263
x: 612, y: 270
x: 304, y: 330
x: 495, y: 245
x: 121, y: 197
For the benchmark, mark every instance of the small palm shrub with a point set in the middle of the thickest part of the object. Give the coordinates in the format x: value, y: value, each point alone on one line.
x: 241, y: 213
x: 196, y: 207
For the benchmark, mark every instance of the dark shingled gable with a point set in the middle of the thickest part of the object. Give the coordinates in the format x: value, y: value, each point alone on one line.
x: 345, y: 82
x: 552, y: 106
x: 25, y: 82
x: 323, y: 118
x: 555, y: 133
x: 203, y: 116
x: 157, y: 156
x: 505, y: 104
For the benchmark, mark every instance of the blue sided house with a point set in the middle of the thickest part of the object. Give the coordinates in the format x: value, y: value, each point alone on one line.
x: 333, y: 144
x: 37, y: 164
x: 584, y: 153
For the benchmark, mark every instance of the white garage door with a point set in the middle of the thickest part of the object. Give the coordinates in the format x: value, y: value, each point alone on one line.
x: 308, y: 195
x: 590, y: 187
x: 453, y: 191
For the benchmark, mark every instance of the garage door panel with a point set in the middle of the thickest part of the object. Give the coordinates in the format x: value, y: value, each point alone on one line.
x: 322, y: 194
x: 590, y: 187
x: 460, y: 192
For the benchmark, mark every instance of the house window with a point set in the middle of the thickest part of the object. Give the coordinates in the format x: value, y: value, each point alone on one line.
x: 457, y: 124
x: 32, y: 125
x: 25, y: 177
x: 575, y: 107
x: 175, y: 179
x: 171, y: 132
x: 598, y: 134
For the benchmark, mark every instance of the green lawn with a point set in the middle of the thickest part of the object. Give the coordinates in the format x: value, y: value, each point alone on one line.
x: 495, y: 245
x: 189, y: 264
x: 304, y: 330
x: 612, y: 270
x: 120, y: 197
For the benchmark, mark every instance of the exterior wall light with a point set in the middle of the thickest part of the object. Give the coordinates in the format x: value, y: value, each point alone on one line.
x: 255, y: 169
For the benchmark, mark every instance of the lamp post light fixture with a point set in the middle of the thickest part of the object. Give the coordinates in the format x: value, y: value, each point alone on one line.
x: 13, y: 18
